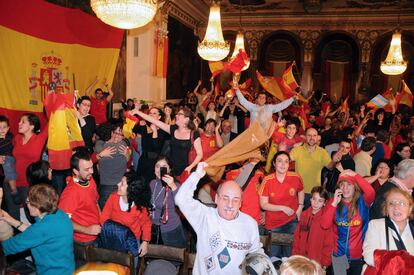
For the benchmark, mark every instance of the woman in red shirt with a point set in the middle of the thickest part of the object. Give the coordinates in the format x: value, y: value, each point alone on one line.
x: 281, y: 196
x: 27, y: 148
x: 130, y: 206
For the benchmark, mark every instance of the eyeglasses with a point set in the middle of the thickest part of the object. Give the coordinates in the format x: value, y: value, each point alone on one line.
x: 398, y: 203
x: 227, y: 199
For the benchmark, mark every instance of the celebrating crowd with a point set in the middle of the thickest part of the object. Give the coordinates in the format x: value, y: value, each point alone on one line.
x: 339, y: 180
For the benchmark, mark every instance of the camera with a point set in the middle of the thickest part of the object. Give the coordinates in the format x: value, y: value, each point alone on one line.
x: 163, y: 172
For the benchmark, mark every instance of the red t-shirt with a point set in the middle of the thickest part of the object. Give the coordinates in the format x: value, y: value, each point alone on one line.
x: 98, y: 109
x: 250, y: 197
x: 25, y: 154
x: 81, y: 204
x: 138, y: 221
x: 208, y: 144
x: 279, y: 137
x: 281, y: 193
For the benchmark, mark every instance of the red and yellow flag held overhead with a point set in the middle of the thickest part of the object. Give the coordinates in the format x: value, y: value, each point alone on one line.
x: 405, y: 96
x: 289, y: 78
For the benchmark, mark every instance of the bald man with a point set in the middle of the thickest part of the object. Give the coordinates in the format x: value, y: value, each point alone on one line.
x: 224, y: 234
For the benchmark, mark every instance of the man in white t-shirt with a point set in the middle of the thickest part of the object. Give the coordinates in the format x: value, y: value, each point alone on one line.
x: 224, y: 234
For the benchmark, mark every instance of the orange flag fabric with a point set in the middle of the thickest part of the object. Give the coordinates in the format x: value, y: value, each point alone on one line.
x: 405, y: 96
x: 389, y: 96
x: 303, y: 118
x: 275, y: 86
x: 216, y: 67
x: 243, y: 147
x: 344, y: 106
x: 289, y: 78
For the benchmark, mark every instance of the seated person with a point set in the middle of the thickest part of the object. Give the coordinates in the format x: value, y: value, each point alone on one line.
x: 50, y: 238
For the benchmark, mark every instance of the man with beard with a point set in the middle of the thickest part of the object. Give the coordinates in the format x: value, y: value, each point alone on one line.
x: 80, y: 199
x: 224, y: 234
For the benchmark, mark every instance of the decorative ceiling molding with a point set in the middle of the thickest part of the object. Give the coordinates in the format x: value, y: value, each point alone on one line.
x: 191, y: 13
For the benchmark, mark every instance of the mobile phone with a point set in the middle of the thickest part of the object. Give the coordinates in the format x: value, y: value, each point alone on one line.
x: 163, y: 172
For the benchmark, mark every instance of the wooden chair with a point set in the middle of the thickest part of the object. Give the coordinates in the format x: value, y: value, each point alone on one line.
x: 168, y: 253
x: 95, y: 254
x: 265, y: 240
x: 190, y: 262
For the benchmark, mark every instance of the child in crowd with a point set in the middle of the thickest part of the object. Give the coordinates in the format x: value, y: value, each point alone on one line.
x: 6, y: 157
x: 310, y: 239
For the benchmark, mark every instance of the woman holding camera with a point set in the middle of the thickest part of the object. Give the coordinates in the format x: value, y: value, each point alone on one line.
x: 164, y: 217
x: 348, y: 212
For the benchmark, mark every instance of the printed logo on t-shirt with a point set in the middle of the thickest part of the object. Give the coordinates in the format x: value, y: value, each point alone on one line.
x: 209, y: 262
x: 223, y: 258
x: 292, y: 191
x: 215, y: 241
x: 238, y: 246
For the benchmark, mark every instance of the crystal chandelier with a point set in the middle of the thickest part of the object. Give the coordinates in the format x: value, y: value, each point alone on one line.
x: 239, y: 44
x: 394, y: 64
x: 213, y: 47
x: 125, y: 14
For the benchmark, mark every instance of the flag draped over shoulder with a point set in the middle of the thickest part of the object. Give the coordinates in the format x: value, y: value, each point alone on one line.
x: 64, y: 131
x: 405, y: 96
x: 44, y: 46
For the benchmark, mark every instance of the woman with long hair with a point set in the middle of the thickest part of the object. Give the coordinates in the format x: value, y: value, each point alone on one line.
x: 152, y: 140
x: 183, y: 138
x: 281, y: 197
x: 348, y: 212
x: 28, y: 147
x: 130, y: 206
x: 164, y: 213
x: 169, y: 113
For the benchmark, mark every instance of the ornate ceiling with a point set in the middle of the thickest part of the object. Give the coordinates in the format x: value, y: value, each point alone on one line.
x: 288, y: 14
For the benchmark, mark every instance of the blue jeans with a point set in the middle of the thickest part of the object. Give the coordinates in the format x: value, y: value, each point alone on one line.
x: 175, y: 237
x: 281, y: 250
x: 9, y: 168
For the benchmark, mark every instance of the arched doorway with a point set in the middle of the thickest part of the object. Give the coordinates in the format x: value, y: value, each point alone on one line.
x: 276, y: 52
x: 336, y: 65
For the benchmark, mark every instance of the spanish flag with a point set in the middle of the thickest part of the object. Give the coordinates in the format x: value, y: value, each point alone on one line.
x: 405, y: 96
x: 216, y: 67
x: 289, y: 78
x: 44, y: 47
x: 275, y: 86
x: 344, y: 106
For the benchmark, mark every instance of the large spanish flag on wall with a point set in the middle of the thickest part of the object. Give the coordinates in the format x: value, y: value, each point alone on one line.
x: 43, y: 46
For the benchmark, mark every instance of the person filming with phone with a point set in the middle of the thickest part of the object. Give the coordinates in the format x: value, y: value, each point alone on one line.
x: 348, y: 212
x: 167, y: 227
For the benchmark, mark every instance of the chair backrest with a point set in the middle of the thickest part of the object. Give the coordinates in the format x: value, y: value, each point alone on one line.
x: 281, y: 239
x: 168, y: 253
x: 80, y: 252
x: 95, y: 254
x: 190, y: 262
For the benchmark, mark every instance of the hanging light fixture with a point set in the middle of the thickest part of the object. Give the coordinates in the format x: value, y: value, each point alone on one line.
x: 239, y: 44
x: 394, y: 64
x: 125, y: 14
x: 213, y: 47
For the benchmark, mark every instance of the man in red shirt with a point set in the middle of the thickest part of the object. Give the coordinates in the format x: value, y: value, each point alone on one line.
x: 80, y: 199
x: 211, y: 140
x: 99, y: 103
